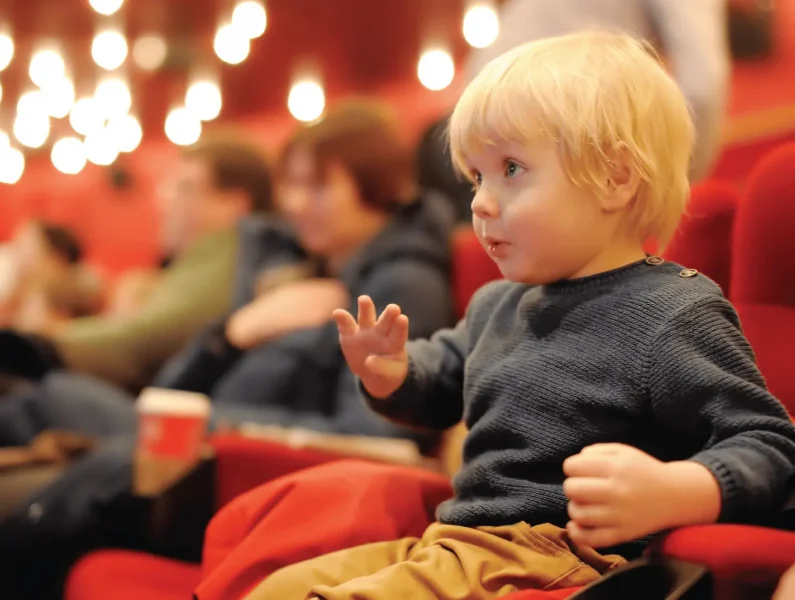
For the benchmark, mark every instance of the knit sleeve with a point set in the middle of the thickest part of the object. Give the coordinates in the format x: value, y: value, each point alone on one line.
x: 432, y: 396
x: 705, y: 387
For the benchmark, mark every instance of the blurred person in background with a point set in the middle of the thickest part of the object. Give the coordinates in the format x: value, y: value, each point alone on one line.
x: 47, y: 284
x: 435, y: 171
x: 131, y: 291
x: 214, y: 185
x: 692, y: 36
x: 346, y: 186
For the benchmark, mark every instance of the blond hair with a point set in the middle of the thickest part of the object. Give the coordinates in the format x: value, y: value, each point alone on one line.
x: 596, y: 95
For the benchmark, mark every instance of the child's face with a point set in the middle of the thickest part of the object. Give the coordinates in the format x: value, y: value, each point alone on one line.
x: 532, y: 220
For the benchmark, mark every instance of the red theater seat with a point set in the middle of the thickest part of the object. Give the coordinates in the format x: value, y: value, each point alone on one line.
x: 764, y: 244
x: 293, y: 518
x: 746, y: 562
x: 763, y: 272
x: 703, y: 240
x: 243, y: 464
x: 123, y: 575
x: 472, y: 267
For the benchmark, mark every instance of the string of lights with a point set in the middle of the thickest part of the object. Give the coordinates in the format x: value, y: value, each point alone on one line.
x: 104, y: 123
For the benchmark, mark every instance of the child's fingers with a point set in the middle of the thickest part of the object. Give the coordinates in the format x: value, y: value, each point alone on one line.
x: 591, y: 516
x: 383, y: 367
x: 587, y: 490
x: 366, y: 312
x: 387, y: 319
x: 609, y: 449
x: 596, y: 537
x: 399, y: 334
x: 345, y: 321
x: 587, y: 465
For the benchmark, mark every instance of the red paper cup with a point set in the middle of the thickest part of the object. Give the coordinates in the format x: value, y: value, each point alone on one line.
x: 171, y: 424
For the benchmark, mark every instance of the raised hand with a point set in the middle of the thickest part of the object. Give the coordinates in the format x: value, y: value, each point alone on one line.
x: 375, y: 348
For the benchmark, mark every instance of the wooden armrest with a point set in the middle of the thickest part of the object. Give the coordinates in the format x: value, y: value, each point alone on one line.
x: 390, y: 450
x: 153, y: 477
x: 172, y: 502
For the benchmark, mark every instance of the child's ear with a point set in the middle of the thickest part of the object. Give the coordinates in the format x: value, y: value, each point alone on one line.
x: 622, y: 183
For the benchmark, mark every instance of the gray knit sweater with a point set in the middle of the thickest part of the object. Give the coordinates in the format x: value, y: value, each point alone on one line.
x: 647, y: 355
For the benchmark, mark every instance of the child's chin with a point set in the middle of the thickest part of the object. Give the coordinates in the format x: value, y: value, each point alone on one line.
x: 525, y: 276
x: 517, y: 276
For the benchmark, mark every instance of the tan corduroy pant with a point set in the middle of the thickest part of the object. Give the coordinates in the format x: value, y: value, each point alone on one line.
x: 447, y: 563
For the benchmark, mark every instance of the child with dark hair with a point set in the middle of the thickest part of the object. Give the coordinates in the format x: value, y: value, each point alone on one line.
x: 49, y: 283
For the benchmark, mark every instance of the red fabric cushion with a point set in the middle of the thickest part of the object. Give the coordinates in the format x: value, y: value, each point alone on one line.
x: 771, y: 331
x: 746, y: 561
x: 704, y: 237
x: 737, y: 161
x: 764, y: 247
x: 472, y: 268
x: 313, y: 512
x: 124, y: 575
x: 763, y: 286
x: 243, y: 464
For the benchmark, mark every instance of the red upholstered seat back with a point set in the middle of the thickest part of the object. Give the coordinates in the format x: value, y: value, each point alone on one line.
x: 763, y: 269
x: 704, y: 238
x: 764, y: 237
x: 472, y: 268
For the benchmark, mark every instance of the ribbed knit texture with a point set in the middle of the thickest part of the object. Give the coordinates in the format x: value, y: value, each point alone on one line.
x: 641, y: 355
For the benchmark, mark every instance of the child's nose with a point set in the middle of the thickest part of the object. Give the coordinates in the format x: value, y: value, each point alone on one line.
x: 485, y: 205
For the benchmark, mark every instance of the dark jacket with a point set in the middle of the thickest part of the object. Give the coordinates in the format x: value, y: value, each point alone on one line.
x: 265, y: 243
x: 301, y: 379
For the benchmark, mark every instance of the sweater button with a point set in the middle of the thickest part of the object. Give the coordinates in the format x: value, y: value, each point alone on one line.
x: 654, y: 261
x: 688, y: 273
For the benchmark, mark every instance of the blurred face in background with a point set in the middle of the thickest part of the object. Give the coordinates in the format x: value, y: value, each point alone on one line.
x: 35, y: 259
x: 192, y: 205
x: 325, y: 206
x: 29, y: 246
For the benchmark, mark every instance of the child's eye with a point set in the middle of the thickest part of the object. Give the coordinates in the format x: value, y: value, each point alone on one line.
x: 477, y: 181
x: 513, y: 168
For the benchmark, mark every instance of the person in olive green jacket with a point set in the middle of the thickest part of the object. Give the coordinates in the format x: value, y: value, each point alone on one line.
x: 215, y: 184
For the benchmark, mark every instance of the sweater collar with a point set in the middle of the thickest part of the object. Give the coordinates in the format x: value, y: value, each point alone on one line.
x: 593, y: 282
